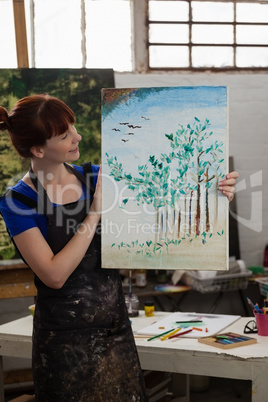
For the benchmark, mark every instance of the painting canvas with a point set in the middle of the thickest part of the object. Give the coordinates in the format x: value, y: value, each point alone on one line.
x: 80, y: 89
x: 164, y: 151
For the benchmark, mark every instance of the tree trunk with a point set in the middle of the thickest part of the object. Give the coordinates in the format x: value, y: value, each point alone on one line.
x: 179, y: 223
x: 157, y: 232
x: 198, y: 210
x: 167, y: 226
x: 216, y: 201
x: 207, y: 212
x: 185, y: 219
x: 198, y: 206
x: 190, y: 213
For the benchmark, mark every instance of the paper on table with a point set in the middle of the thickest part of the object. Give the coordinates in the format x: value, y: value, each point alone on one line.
x: 213, y: 322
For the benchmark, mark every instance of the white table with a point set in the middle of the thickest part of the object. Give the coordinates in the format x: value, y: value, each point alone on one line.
x: 182, y: 355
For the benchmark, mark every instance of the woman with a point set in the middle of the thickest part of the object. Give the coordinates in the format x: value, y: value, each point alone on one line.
x: 83, y: 347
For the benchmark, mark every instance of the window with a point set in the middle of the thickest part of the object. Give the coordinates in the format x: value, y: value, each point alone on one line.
x: 71, y: 34
x: 7, y: 33
x: 140, y: 35
x: 207, y: 34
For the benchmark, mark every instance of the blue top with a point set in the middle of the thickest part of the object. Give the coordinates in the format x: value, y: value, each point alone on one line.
x: 19, y: 217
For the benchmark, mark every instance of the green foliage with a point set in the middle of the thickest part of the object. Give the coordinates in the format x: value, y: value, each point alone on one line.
x: 197, y: 161
x: 150, y: 248
x: 155, y: 186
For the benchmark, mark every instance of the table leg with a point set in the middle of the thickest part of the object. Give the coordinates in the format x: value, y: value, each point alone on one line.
x: 259, y: 386
x: 2, y: 393
x: 215, y: 303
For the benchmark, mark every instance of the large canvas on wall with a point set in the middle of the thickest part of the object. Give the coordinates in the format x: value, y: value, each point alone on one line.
x: 164, y: 151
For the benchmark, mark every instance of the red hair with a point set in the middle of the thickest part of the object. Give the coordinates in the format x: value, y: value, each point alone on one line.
x: 33, y: 120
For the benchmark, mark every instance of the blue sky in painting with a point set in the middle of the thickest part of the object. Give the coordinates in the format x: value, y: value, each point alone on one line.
x: 164, y: 111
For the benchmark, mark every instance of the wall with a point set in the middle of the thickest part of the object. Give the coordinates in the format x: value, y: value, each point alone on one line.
x: 248, y: 136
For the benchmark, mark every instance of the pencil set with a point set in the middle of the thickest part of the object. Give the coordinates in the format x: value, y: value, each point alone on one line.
x: 228, y: 340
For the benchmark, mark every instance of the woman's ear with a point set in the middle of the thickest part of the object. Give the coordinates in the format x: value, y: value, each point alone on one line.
x: 37, y: 151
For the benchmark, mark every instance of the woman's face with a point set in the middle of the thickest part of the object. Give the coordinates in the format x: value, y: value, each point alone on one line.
x: 64, y: 147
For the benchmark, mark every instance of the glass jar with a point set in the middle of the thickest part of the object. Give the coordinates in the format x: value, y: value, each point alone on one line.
x: 141, y: 280
x: 133, y: 304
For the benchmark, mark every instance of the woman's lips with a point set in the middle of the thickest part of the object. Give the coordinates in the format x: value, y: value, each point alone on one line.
x: 75, y: 150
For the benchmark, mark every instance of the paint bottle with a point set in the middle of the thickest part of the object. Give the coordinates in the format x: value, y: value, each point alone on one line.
x: 141, y: 280
x: 149, y: 308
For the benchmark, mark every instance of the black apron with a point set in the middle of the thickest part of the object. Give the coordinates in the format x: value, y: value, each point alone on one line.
x: 83, y: 346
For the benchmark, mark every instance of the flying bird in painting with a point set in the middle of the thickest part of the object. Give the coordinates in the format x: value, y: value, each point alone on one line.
x: 131, y: 126
x: 115, y: 129
x: 124, y: 140
x: 124, y: 124
x: 129, y: 134
x: 145, y: 118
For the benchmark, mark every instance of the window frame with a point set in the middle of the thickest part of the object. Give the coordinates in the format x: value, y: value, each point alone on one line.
x: 141, y: 43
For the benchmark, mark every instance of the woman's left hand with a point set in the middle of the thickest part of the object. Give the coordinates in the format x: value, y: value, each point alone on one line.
x: 227, y: 186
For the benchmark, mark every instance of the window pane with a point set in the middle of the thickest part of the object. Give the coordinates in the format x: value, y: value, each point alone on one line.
x: 168, y: 10
x: 169, y: 56
x: 212, y: 11
x: 212, y: 34
x: 57, y: 33
x: 207, y: 56
x: 251, y: 57
x: 108, y: 34
x: 252, y: 12
x: 166, y: 33
x: 7, y: 31
x: 247, y: 34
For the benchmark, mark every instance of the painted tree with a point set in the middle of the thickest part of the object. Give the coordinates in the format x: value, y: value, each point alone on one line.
x: 197, y: 155
x: 152, y: 187
x: 196, y: 160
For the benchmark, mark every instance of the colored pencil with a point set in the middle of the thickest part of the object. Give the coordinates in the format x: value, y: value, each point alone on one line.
x: 159, y: 335
x: 170, y: 334
x: 181, y: 333
x: 254, y: 307
x: 188, y: 322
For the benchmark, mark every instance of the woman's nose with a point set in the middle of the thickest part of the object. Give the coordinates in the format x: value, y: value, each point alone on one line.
x: 77, y: 138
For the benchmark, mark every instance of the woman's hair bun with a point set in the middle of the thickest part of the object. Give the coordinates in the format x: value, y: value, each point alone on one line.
x: 4, y: 120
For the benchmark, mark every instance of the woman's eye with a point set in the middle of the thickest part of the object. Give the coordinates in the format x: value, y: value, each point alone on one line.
x: 65, y: 136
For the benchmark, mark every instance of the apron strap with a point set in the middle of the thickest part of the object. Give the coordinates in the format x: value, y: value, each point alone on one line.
x: 45, y: 206
x: 87, y: 178
x: 21, y: 197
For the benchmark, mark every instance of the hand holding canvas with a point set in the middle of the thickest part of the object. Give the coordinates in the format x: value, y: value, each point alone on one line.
x: 227, y: 186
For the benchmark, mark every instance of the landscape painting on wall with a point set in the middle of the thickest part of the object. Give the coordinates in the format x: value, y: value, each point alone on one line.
x: 164, y: 151
x: 78, y: 88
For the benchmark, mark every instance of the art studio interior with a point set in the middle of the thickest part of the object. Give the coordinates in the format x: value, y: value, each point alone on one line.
x: 169, y: 96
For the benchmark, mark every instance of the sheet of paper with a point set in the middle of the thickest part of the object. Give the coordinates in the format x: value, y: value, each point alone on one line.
x: 210, y: 325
